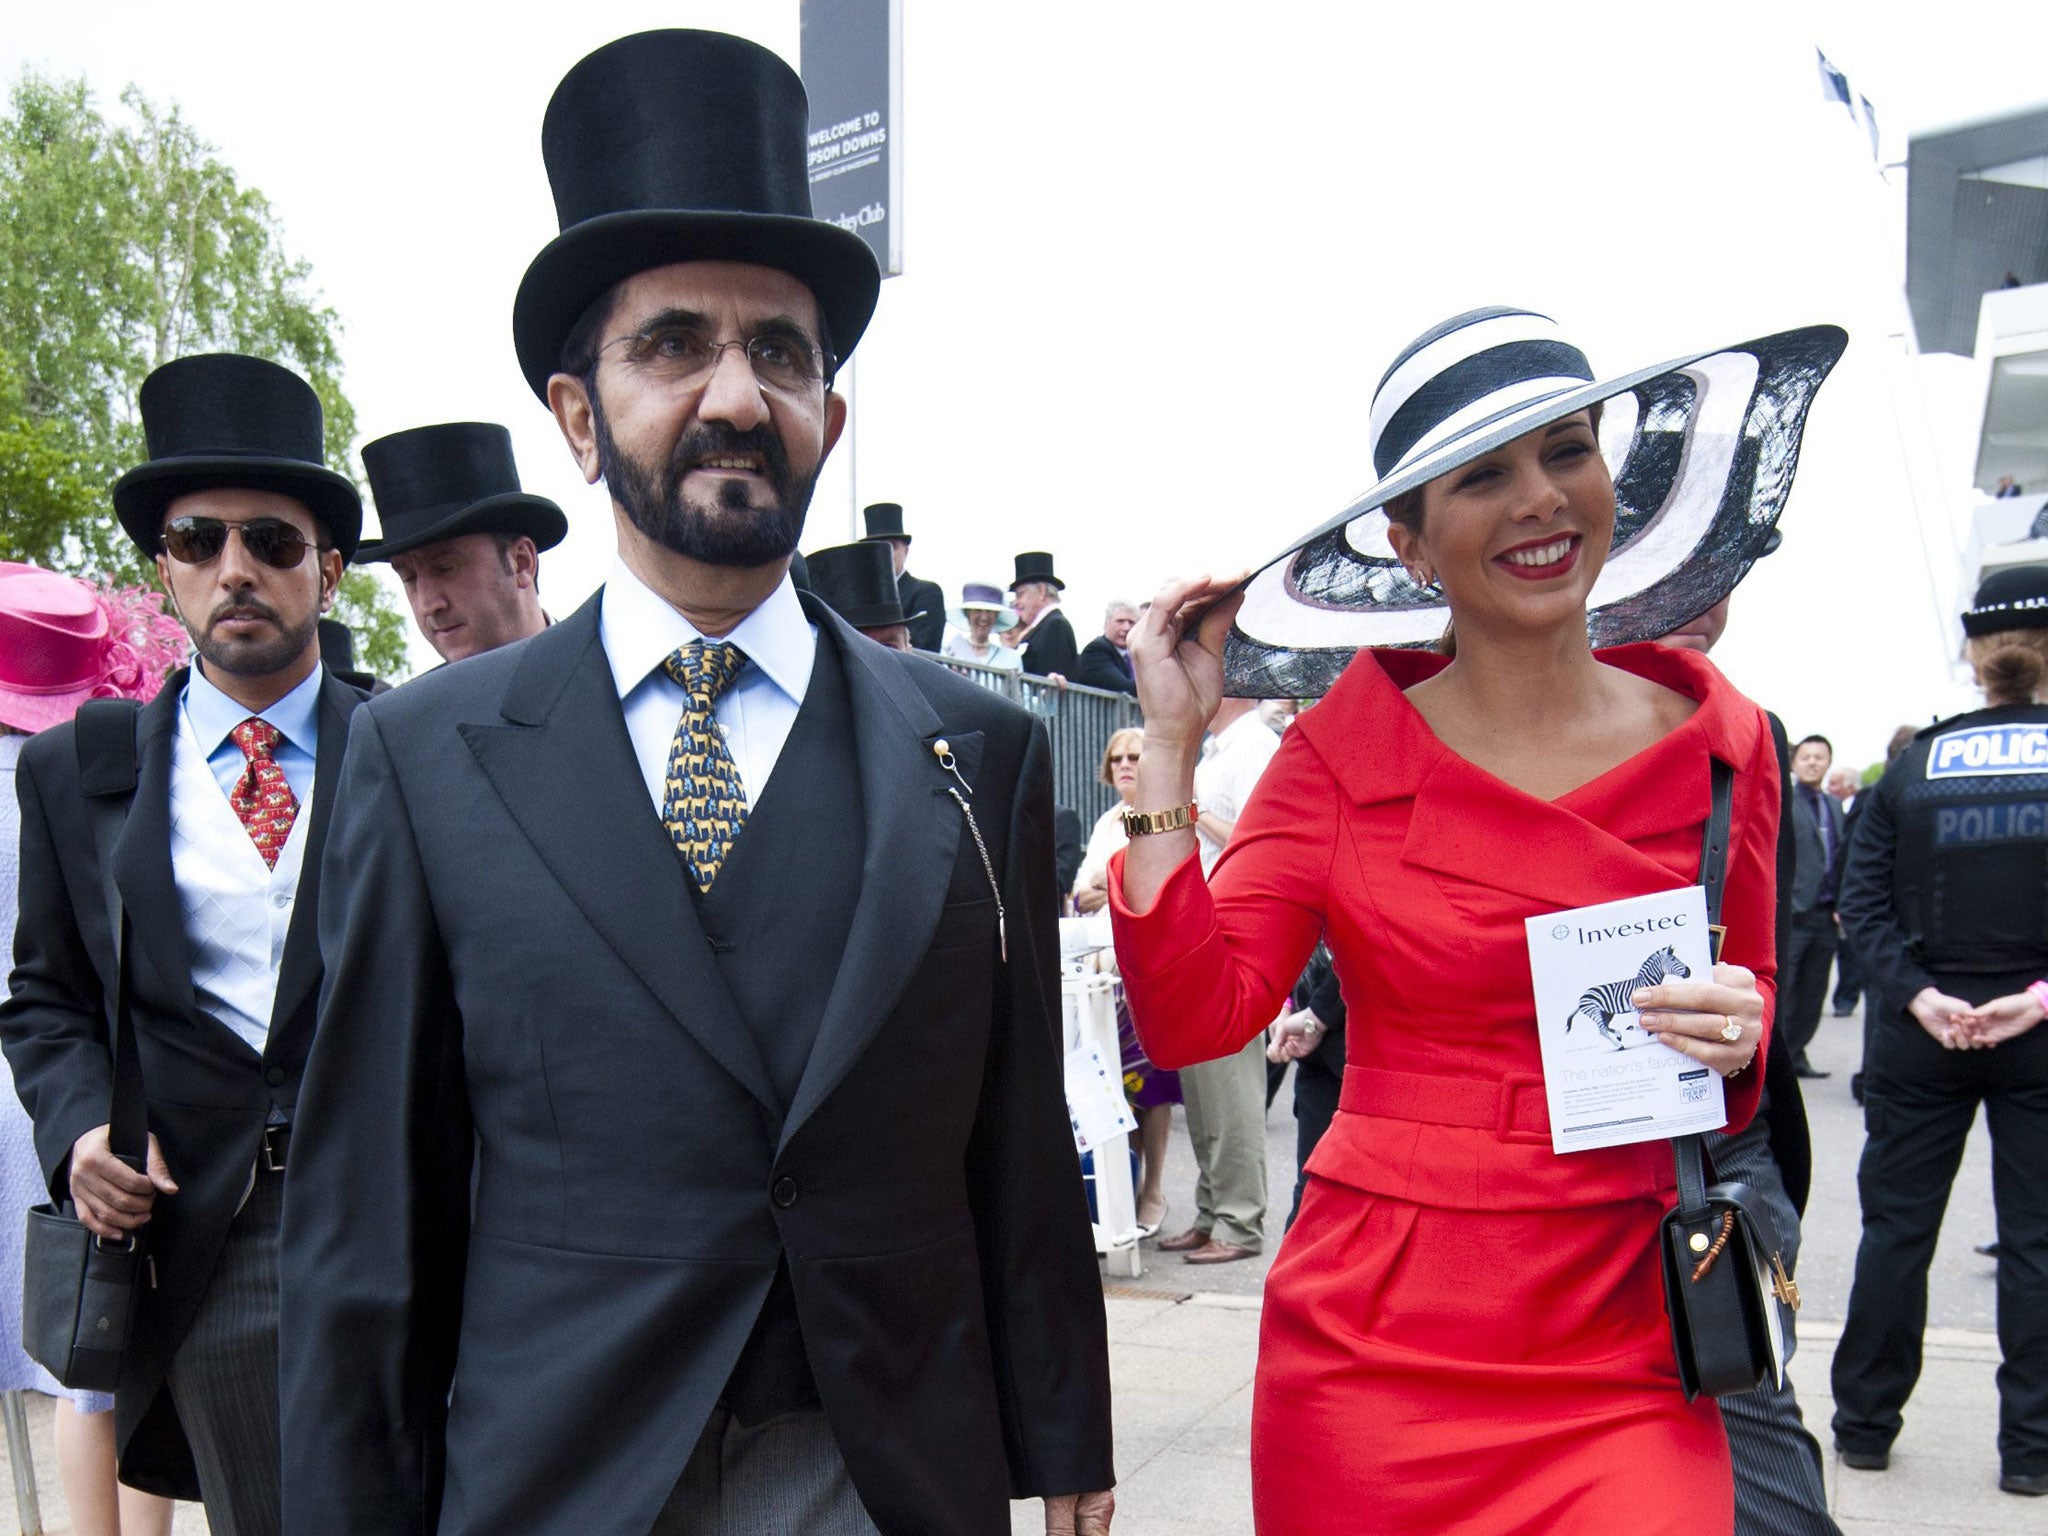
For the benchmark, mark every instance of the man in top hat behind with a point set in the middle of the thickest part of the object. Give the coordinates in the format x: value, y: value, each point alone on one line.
x: 208, y: 809
x: 460, y: 534
x: 685, y: 1140
x: 923, y: 598
x: 857, y: 582
x: 1048, y: 639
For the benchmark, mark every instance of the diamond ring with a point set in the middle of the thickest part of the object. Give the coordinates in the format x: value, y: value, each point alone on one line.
x: 1731, y: 1031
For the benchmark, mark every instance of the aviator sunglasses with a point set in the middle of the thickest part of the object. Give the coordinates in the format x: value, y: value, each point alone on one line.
x: 196, y: 540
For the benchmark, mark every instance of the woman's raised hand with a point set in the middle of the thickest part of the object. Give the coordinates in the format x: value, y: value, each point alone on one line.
x: 1177, y: 655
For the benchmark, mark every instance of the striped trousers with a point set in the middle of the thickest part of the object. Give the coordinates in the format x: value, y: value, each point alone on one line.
x: 223, y: 1380
x: 1778, y: 1488
x: 781, y: 1477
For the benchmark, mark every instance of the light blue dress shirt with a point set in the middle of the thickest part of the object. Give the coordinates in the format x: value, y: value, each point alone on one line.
x: 640, y: 630
x: 212, y: 715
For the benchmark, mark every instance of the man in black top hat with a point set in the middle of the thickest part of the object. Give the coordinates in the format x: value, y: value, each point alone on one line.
x: 858, y: 582
x: 923, y: 598
x: 460, y: 534
x: 200, y: 820
x: 1048, y: 639
x: 690, y: 1088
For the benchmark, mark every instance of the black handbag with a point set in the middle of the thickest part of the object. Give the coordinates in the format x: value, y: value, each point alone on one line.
x: 1722, y: 1273
x: 80, y: 1292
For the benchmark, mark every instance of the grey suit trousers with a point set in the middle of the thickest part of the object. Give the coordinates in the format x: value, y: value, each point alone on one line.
x: 781, y: 1477
x: 1778, y: 1487
x: 1226, y: 1108
x: 223, y: 1379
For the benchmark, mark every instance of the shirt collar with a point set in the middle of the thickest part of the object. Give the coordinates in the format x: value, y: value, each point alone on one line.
x: 213, y: 714
x: 640, y: 630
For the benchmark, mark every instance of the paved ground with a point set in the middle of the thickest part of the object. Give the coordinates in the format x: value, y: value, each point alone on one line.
x: 1183, y: 1344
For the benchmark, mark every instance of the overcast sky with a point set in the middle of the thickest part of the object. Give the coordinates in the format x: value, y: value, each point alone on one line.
x: 1158, y: 251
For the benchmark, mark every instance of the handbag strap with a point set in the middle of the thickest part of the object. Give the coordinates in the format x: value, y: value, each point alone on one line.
x: 1689, y: 1152
x: 107, y: 775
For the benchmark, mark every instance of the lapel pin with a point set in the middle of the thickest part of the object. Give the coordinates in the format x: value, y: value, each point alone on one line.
x: 943, y: 751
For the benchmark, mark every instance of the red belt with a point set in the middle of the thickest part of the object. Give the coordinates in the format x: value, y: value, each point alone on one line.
x: 1514, y: 1105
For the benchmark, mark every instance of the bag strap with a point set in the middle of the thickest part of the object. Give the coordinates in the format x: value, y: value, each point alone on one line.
x: 1689, y: 1152
x: 107, y: 775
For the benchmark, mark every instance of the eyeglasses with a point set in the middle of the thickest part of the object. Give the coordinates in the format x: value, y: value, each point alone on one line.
x: 683, y: 358
x: 196, y: 540
x: 1122, y: 757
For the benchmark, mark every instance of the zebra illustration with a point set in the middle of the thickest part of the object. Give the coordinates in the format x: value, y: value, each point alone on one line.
x: 1603, y: 1004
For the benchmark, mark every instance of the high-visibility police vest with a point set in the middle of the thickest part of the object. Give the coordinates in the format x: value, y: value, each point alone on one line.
x: 1970, y: 881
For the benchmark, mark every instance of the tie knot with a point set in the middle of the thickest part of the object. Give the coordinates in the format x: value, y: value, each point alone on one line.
x: 705, y: 669
x: 257, y: 738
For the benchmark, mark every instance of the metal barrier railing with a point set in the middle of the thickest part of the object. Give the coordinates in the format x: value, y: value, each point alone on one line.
x: 1078, y: 719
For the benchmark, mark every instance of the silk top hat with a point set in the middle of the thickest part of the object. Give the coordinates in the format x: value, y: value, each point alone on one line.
x: 222, y: 419
x: 989, y: 599
x: 2013, y: 598
x: 885, y: 521
x: 435, y: 483
x: 1036, y: 565
x: 858, y: 582
x: 678, y: 146
x: 338, y: 655
x: 1701, y: 448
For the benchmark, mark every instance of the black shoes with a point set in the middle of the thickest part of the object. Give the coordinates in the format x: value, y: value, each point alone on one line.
x: 1804, y: 1068
x: 1845, y: 1013
x: 2032, y: 1484
x: 1989, y: 1250
x: 1863, y: 1461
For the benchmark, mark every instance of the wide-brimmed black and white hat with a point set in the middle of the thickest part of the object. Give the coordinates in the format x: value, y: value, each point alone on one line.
x: 1701, y: 448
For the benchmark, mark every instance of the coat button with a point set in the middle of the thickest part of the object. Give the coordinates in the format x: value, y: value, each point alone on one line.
x: 274, y: 1076
x: 784, y: 1192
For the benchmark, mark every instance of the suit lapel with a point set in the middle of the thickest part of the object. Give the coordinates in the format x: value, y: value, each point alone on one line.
x: 142, y: 853
x: 564, y: 766
x: 299, y: 971
x: 914, y: 829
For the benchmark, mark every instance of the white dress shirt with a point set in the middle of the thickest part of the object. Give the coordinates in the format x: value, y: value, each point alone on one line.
x: 1226, y: 774
x: 237, y: 910
x: 640, y: 631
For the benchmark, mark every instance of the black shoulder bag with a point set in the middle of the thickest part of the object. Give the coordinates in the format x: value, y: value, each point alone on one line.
x: 80, y: 1292
x: 1721, y: 1276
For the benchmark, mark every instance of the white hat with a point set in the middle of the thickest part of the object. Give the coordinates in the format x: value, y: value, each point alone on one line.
x: 1702, y: 450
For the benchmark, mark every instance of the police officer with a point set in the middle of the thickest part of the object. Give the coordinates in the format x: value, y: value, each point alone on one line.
x: 1946, y: 899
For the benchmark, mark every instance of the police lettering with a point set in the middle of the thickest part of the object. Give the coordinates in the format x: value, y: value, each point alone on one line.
x: 1989, y: 749
x: 2023, y: 823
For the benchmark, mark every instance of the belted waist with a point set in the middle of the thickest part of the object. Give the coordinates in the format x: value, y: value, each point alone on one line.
x: 1510, y: 1106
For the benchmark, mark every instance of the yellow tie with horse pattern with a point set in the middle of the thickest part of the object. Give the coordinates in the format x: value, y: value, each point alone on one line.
x: 704, y: 802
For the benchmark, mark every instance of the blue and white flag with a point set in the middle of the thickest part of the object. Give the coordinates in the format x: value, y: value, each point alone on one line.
x: 1834, y: 86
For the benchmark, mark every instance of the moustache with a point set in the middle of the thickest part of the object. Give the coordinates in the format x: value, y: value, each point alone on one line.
x: 711, y: 440
x: 243, y: 608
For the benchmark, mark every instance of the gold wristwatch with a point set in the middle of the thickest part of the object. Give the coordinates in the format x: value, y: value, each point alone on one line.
x: 1145, y: 823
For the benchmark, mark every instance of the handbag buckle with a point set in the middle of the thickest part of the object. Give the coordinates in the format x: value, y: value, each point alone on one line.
x: 1783, y: 1286
x: 126, y: 1244
x: 277, y: 1141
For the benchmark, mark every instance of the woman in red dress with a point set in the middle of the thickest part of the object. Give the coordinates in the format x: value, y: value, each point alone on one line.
x: 1464, y: 1331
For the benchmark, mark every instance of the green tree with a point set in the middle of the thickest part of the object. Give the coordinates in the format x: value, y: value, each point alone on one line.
x: 127, y: 243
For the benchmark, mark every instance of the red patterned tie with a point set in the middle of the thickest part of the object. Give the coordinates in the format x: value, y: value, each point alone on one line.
x: 263, y: 797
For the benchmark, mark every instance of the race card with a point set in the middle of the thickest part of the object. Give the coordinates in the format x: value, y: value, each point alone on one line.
x: 1608, y: 1083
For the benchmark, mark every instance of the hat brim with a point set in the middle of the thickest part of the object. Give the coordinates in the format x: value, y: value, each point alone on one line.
x: 141, y: 495
x: 1006, y: 618
x: 876, y: 616
x: 32, y: 712
x: 583, y: 263
x: 1702, y: 460
x: 515, y: 512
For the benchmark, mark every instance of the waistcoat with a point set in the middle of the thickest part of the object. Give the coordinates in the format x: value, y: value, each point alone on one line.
x: 777, y: 919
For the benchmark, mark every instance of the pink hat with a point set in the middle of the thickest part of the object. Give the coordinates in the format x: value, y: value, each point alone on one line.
x: 63, y: 641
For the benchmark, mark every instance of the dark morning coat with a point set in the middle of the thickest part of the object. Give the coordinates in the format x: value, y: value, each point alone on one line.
x: 1049, y: 647
x: 522, y: 993
x: 209, y: 1093
x: 927, y: 633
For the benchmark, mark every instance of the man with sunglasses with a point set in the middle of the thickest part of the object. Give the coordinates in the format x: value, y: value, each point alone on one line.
x: 684, y: 1143
x: 198, y: 821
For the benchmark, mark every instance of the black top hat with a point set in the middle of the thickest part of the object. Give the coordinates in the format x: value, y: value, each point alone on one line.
x: 885, y: 521
x: 222, y: 419
x: 858, y: 582
x: 2013, y: 598
x: 435, y: 483
x: 338, y: 654
x: 1036, y: 565
x: 681, y: 146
